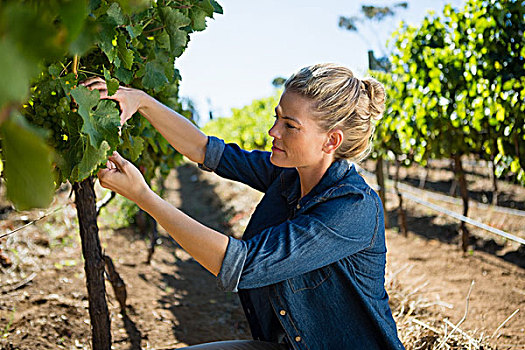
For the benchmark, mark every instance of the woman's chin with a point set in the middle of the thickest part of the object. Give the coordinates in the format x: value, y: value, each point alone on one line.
x: 277, y: 159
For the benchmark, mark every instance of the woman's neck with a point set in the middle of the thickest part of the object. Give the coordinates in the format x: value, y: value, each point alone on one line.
x: 311, y: 175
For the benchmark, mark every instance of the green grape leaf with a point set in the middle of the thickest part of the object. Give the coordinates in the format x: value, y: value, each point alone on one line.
x: 85, y: 40
x: 16, y: 70
x: 28, y: 165
x: 132, y: 146
x: 163, y: 40
x: 199, y: 12
x: 93, y: 5
x: 73, y: 14
x: 35, y: 37
x: 125, y: 54
x: 100, y: 124
x: 55, y: 70
x: 198, y: 18
x: 134, y: 31
x: 206, y: 6
x: 91, y: 159
x: 154, y: 76
x: 107, y: 118
x: 85, y: 99
x: 106, y: 36
x: 163, y: 144
x: 216, y: 7
x: 111, y: 83
x: 68, y: 82
x: 129, y: 7
x: 124, y: 75
x: 115, y: 13
x: 174, y: 20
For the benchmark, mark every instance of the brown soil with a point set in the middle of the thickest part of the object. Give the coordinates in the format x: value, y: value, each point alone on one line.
x: 174, y: 302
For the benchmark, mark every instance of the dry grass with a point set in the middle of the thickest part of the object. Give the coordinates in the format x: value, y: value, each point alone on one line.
x: 421, y: 329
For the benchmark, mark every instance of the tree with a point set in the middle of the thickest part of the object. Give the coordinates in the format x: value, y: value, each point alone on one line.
x: 372, y: 15
x: 46, y: 50
x: 449, y: 108
x: 495, y: 67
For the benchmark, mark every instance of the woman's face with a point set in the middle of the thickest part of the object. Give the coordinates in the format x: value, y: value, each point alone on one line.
x: 297, y: 139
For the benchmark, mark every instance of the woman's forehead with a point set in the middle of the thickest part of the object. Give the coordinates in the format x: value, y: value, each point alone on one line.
x: 295, y: 106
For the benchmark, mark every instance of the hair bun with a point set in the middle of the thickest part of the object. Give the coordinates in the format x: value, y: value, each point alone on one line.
x: 376, y: 94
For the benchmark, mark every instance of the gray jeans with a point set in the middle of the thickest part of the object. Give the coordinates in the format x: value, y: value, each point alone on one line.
x: 239, y: 345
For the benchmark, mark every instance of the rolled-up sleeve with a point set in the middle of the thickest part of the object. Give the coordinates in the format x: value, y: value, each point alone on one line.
x: 302, y: 244
x: 252, y: 168
x: 232, y: 265
x: 214, y: 151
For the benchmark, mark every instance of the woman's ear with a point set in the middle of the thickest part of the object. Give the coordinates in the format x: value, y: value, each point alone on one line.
x: 334, y: 140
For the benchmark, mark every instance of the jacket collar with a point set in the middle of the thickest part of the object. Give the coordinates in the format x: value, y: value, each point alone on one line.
x: 291, y: 184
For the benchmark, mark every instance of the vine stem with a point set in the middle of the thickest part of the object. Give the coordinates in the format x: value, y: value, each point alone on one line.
x: 87, y: 71
x: 147, y: 23
x: 75, y: 66
x: 152, y: 30
x: 64, y: 68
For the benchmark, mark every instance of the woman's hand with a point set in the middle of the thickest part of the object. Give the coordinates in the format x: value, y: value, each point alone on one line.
x: 124, y: 178
x: 129, y: 99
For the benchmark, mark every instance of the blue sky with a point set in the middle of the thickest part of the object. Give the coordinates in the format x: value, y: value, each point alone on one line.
x: 236, y: 58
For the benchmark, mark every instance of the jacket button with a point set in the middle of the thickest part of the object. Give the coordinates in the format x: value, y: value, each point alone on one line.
x: 282, y: 312
x: 298, y: 339
x: 298, y: 206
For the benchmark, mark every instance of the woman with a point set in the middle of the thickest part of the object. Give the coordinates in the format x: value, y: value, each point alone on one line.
x: 310, y: 268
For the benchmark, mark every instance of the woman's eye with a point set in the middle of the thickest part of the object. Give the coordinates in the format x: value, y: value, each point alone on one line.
x: 287, y: 125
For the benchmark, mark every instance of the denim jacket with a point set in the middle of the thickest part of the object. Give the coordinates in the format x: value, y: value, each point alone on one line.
x: 311, y: 268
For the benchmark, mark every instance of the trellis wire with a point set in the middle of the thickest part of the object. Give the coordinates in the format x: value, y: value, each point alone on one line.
x: 449, y: 212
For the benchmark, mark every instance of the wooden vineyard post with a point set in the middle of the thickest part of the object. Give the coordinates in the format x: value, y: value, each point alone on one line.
x: 494, y: 179
x: 460, y: 176
x: 423, y: 177
x: 380, y: 175
x: 454, y: 184
x: 400, y: 211
x: 94, y: 263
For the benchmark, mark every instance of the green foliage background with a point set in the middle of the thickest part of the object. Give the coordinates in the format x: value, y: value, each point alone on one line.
x: 247, y: 126
x: 48, y: 47
x: 457, y: 87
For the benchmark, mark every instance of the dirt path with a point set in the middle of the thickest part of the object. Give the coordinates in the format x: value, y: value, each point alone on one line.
x: 174, y: 302
x: 441, y: 276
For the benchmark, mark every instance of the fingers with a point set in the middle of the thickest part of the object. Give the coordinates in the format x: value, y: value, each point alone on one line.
x: 99, y: 85
x: 125, y: 115
x: 91, y: 81
x: 120, y: 162
x: 102, y: 175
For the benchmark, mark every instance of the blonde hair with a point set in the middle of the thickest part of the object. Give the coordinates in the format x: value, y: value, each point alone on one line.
x: 340, y: 100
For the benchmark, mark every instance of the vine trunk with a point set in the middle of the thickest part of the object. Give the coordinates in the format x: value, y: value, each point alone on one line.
x: 94, y: 263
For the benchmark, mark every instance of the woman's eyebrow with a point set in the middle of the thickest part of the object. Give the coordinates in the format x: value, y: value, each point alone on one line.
x: 289, y: 117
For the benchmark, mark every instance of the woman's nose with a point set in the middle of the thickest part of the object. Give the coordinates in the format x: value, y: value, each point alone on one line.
x: 273, y: 132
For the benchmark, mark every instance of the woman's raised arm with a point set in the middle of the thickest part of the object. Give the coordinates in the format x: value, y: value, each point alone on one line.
x: 206, y: 245
x: 185, y: 137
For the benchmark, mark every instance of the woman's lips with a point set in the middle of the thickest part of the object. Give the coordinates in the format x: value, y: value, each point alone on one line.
x: 276, y: 150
